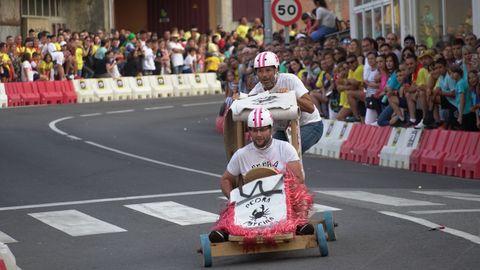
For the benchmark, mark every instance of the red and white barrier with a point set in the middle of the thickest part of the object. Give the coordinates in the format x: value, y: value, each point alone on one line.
x: 7, y: 260
x: 121, y: 88
x: 140, y: 86
x: 162, y: 86
x: 3, y: 96
x: 199, y: 84
x: 334, y: 134
x: 401, y: 143
x: 85, y: 93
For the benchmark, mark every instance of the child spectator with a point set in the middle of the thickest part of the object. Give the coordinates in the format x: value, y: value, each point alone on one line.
x: 190, y: 62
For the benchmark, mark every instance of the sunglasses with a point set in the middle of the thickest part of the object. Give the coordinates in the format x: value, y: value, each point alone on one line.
x: 351, y: 62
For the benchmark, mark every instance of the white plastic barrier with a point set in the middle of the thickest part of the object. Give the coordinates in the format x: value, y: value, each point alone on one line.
x: 214, y: 85
x: 327, y: 129
x: 140, y: 86
x: 85, y: 93
x: 3, y: 97
x: 199, y: 84
x: 7, y: 260
x: 181, y: 86
x: 334, y: 134
x: 121, y: 88
x: 102, y: 88
x: 401, y: 143
x: 162, y: 85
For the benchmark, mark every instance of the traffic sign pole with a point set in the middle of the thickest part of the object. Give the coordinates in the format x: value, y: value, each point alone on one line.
x: 267, y: 20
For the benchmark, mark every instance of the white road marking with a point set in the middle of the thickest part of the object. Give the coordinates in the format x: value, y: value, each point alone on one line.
x: 53, y: 126
x: 6, y: 239
x: 445, y: 211
x: 76, y: 223
x: 158, y: 108
x: 90, y: 114
x: 122, y: 111
x: 318, y: 208
x: 464, y: 198
x: 43, y: 205
x: 446, y: 193
x: 202, y: 103
x: 153, y: 160
x: 377, y: 198
x: 74, y: 137
x: 451, y: 195
x: 175, y: 212
x: 470, y: 237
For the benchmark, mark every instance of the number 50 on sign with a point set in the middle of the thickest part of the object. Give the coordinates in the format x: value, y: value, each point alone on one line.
x: 286, y: 12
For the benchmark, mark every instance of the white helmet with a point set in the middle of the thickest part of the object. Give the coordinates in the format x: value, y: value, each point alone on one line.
x: 260, y: 117
x: 266, y: 59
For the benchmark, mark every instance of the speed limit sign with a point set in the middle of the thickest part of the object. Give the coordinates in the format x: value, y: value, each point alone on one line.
x: 286, y: 12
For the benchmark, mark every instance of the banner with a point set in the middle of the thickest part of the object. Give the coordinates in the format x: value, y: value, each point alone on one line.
x: 260, y: 203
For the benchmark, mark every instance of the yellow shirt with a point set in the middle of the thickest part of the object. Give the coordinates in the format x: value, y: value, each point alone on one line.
x: 79, y: 57
x: 45, y: 67
x: 357, y: 75
x: 20, y: 49
x: 212, y: 63
x: 422, y: 77
x: 242, y: 30
x: 57, y: 47
x: 30, y: 50
x: 319, y: 83
x: 301, y: 73
x: 94, y: 49
x: 6, y: 60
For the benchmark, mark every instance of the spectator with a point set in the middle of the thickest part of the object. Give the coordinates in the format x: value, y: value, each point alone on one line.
x: 324, y: 21
x: 111, y: 65
x: 176, y: 50
x: 27, y: 71
x: 45, y: 68
x: 242, y: 28
x: 148, y: 61
x: 474, y: 83
x: 190, y: 62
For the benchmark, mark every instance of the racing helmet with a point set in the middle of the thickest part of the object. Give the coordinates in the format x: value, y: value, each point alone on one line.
x: 260, y: 117
x: 266, y: 59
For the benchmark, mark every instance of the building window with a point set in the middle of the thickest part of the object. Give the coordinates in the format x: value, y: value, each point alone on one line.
x: 458, y: 25
x: 41, y: 8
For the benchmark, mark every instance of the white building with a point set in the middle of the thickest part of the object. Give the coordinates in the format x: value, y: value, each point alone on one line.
x: 426, y: 20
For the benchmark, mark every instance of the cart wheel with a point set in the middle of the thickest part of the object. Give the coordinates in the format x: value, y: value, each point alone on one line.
x: 206, y: 251
x: 322, y: 241
x: 329, y: 225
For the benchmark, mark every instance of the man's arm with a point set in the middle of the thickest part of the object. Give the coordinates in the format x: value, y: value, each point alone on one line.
x: 306, y: 104
x: 296, y: 168
x: 226, y: 183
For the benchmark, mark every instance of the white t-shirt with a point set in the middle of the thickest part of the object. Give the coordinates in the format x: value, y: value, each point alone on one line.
x: 27, y: 72
x: 189, y: 59
x: 292, y: 83
x: 369, y: 76
x: 277, y: 156
x: 326, y: 17
x: 149, y: 59
x: 177, y: 58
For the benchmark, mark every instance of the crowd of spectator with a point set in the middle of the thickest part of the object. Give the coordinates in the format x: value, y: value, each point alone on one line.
x: 374, y: 81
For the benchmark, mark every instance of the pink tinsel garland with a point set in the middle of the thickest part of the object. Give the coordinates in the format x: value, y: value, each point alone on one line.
x: 298, y: 200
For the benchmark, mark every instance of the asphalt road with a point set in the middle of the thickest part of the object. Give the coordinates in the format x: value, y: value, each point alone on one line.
x: 101, y: 167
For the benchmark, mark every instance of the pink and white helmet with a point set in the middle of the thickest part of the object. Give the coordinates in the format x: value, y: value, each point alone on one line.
x: 266, y: 59
x: 260, y: 117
